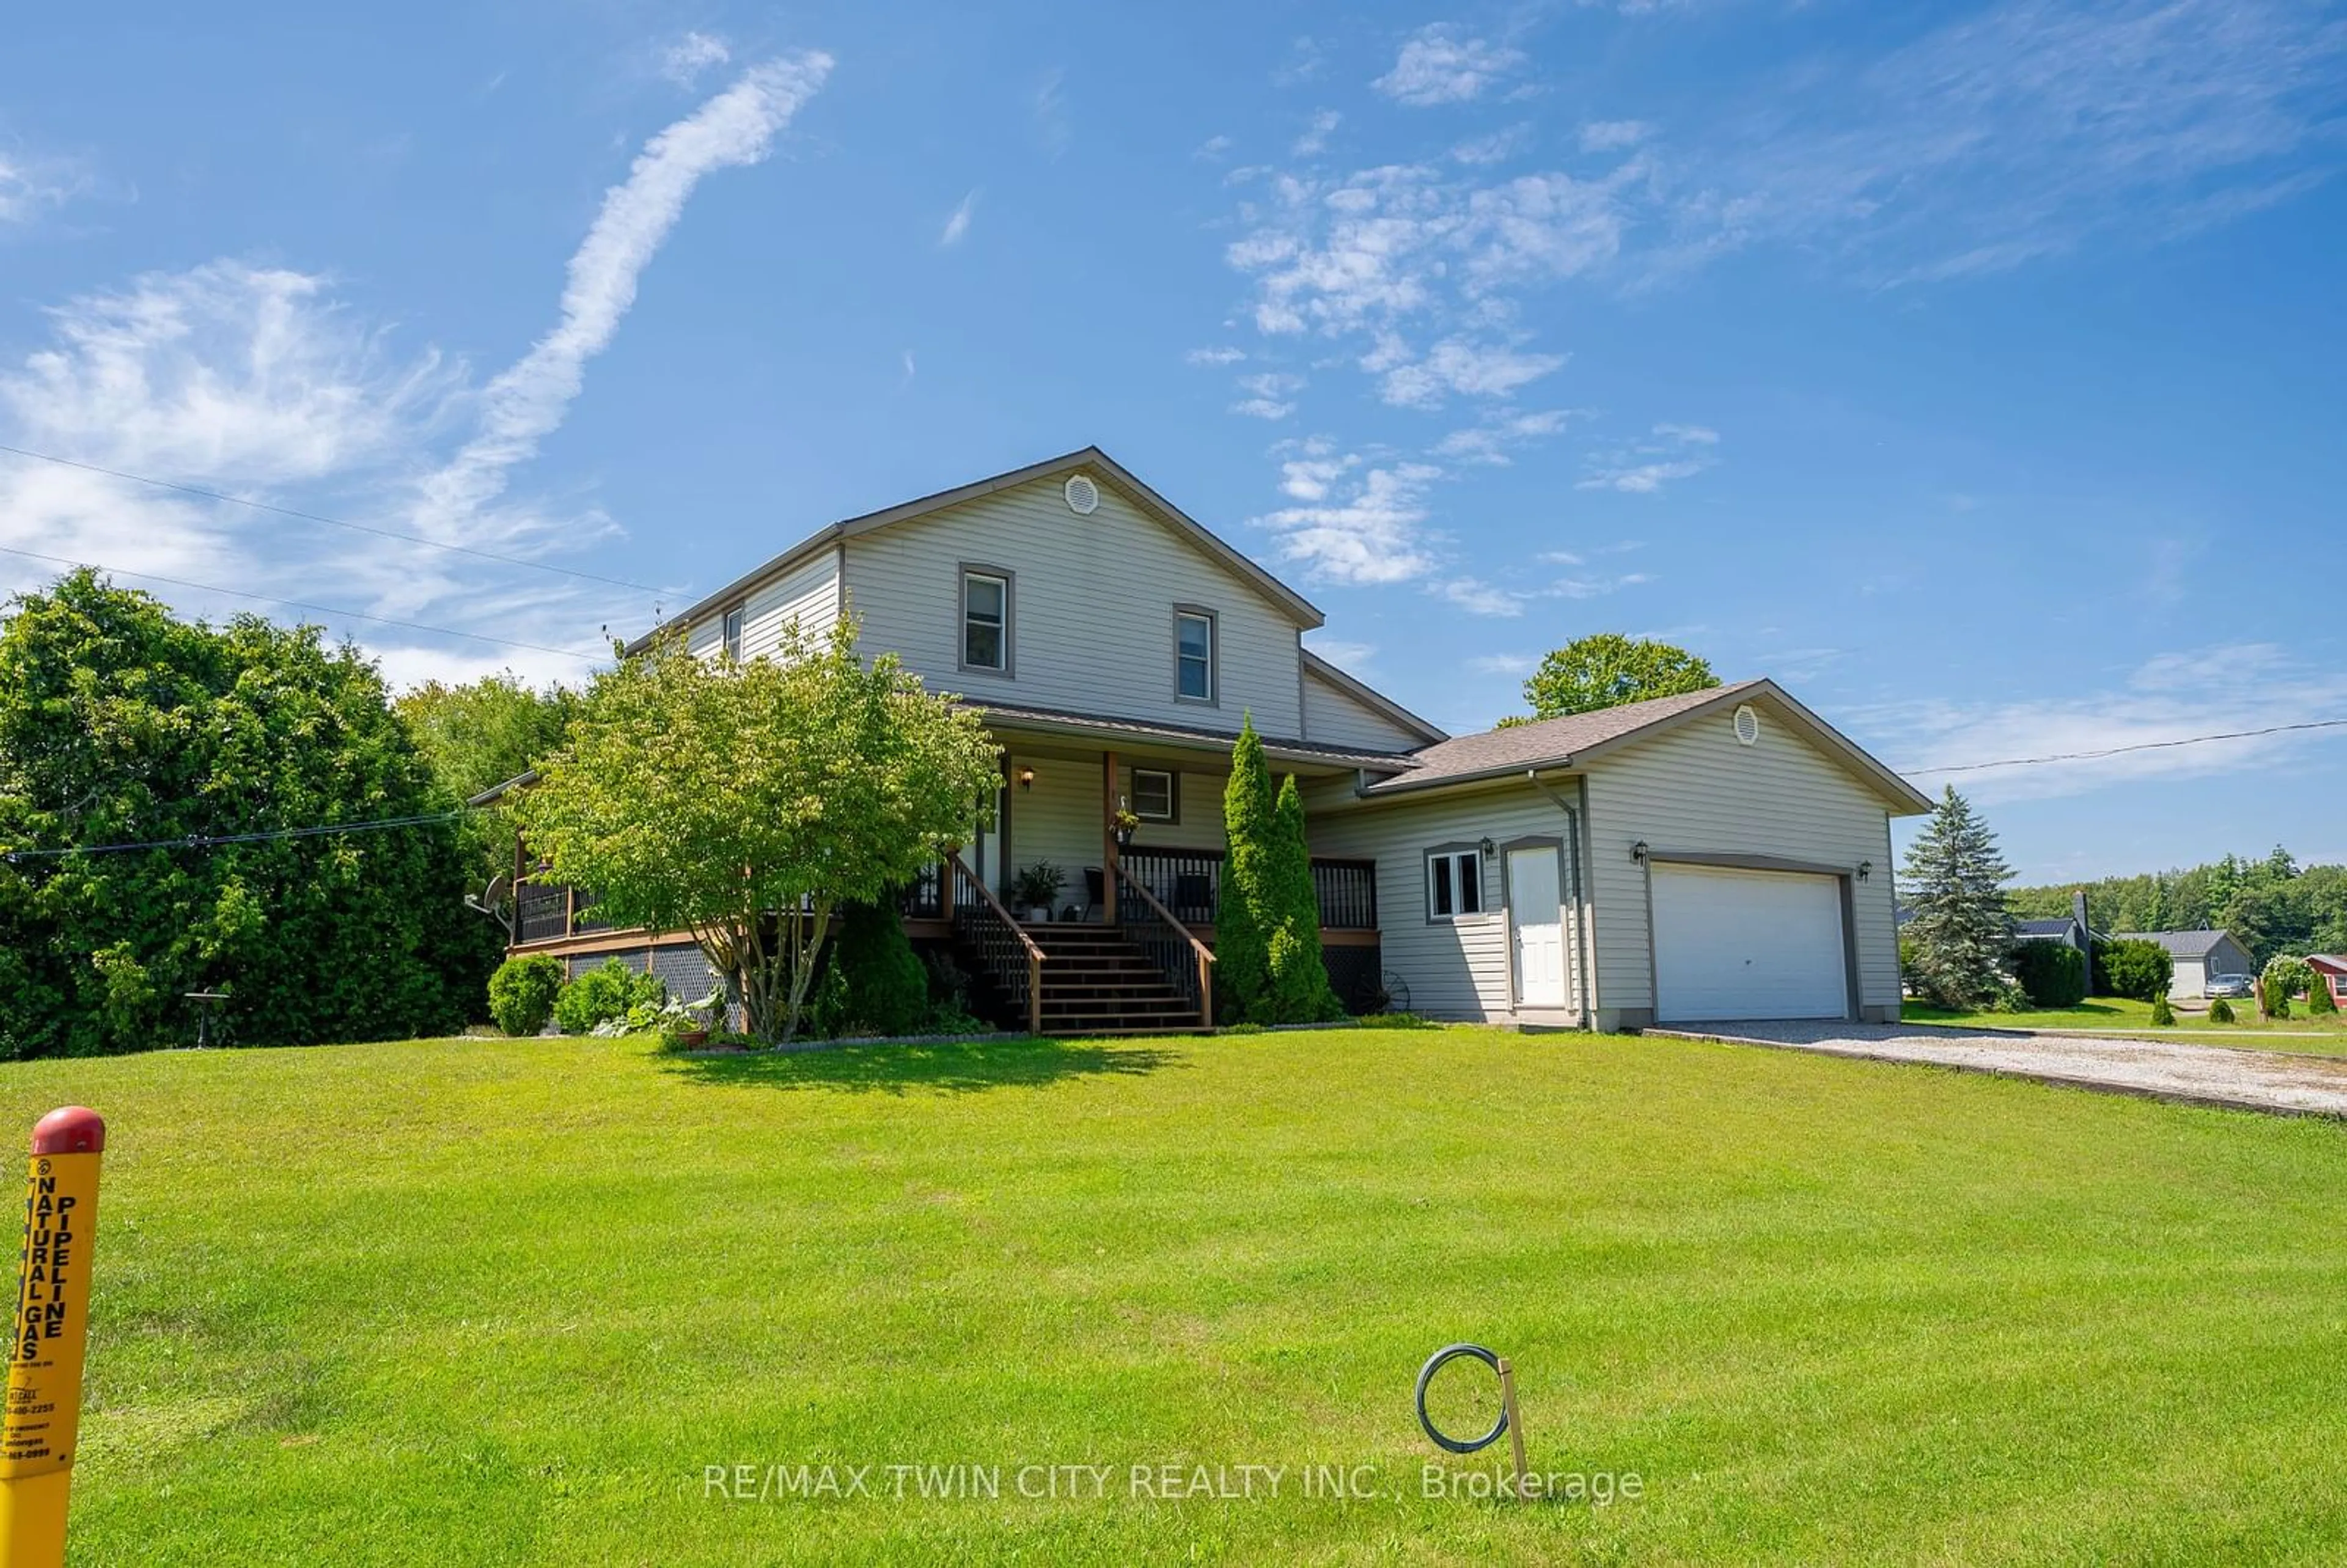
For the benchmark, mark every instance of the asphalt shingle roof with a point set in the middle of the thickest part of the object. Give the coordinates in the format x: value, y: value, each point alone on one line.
x: 1545, y: 741
x: 2179, y: 944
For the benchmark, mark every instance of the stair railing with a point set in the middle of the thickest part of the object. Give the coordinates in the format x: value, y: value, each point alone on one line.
x: 1151, y: 926
x: 1011, y: 955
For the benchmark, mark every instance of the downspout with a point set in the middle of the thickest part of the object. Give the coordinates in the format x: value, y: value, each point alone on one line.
x: 1580, y: 898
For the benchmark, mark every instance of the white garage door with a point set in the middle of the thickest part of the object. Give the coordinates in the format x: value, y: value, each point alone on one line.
x: 1746, y: 944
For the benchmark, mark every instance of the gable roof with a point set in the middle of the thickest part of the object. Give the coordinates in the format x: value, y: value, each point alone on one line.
x: 1328, y: 674
x: 1577, y: 738
x: 1206, y: 540
x: 2063, y: 926
x: 2181, y: 944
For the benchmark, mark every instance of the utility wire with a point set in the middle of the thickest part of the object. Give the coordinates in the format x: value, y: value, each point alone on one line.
x: 2137, y: 747
x: 297, y: 604
x: 213, y: 841
x: 319, y: 518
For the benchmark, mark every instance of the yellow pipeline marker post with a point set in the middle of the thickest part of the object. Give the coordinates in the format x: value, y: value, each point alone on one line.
x: 44, y: 1406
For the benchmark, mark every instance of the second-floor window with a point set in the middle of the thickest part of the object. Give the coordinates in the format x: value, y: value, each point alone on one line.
x: 1193, y: 655
x: 730, y: 632
x: 985, y: 621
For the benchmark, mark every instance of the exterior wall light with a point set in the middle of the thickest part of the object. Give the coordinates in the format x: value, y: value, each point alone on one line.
x: 1489, y: 849
x: 1865, y: 869
x: 1026, y: 778
x: 1638, y: 852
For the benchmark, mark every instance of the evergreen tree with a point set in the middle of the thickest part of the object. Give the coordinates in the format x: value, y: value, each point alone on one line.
x: 1242, y: 942
x: 1300, y: 991
x: 1955, y: 880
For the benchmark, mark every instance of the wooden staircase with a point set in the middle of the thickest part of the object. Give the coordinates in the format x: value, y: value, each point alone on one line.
x: 1095, y: 981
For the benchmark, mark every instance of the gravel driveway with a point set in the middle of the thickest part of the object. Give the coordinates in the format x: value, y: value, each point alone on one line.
x: 2159, y: 1068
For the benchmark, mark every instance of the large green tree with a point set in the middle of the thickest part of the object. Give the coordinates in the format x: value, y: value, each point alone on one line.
x: 1242, y: 942
x: 1300, y: 991
x: 480, y: 734
x: 2270, y: 905
x: 1955, y: 881
x: 1605, y: 669
x: 744, y: 803
x: 120, y: 724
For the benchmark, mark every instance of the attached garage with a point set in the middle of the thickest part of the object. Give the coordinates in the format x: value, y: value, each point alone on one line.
x: 1733, y: 943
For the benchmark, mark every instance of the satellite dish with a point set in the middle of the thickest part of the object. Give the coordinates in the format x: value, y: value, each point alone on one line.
x: 490, y: 903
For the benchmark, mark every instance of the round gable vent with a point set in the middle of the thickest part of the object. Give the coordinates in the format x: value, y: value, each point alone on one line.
x: 1083, y: 496
x: 1748, y: 725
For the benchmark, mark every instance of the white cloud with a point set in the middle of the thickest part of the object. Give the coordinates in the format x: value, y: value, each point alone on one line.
x: 1613, y: 135
x: 256, y: 382
x: 1270, y: 394
x: 522, y: 405
x: 1491, y: 441
x: 683, y: 61
x: 1350, y: 657
x: 1438, y: 65
x: 1475, y: 369
x: 1213, y: 149
x: 1674, y: 452
x: 29, y: 186
x: 1364, y: 531
x: 1054, y: 129
x: 1314, y: 140
x: 1497, y: 147
x: 2170, y: 697
x: 1477, y: 597
x: 1263, y: 408
x: 1503, y: 664
x: 1308, y: 475
x: 1224, y: 355
x: 957, y: 224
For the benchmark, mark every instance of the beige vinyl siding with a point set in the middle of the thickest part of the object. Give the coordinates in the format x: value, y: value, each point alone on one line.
x: 1693, y: 790
x: 1201, y: 794
x: 1092, y: 612
x: 1333, y: 717
x: 810, y: 594
x: 1058, y: 819
x: 1461, y: 968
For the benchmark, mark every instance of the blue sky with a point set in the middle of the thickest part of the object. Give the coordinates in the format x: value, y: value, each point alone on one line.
x: 1976, y: 371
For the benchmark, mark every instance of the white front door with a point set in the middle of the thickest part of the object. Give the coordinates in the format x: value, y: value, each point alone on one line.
x: 1539, y: 927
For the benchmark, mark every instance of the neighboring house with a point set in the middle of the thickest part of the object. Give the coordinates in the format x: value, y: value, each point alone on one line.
x: 1721, y: 854
x: 2071, y: 930
x: 2331, y: 970
x: 2198, y: 955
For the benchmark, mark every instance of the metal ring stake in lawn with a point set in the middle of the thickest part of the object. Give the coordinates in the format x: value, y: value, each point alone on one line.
x: 1509, y: 1422
x: 42, y: 1415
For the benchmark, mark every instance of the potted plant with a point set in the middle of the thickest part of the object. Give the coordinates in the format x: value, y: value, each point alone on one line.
x: 1122, y: 826
x: 1036, y: 888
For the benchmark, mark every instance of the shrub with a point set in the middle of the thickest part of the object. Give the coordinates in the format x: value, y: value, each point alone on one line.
x: 2220, y: 1011
x: 2052, y: 974
x: 2319, y: 998
x: 2273, y: 996
x: 522, y: 993
x: 605, y: 994
x: 2162, y: 1014
x: 2139, y: 970
x: 876, y: 984
x: 1299, y: 990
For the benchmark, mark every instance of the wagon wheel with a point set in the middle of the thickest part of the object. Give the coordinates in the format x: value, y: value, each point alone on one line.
x: 1393, y: 993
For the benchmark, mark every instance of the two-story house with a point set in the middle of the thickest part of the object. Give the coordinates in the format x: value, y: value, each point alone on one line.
x: 1722, y: 855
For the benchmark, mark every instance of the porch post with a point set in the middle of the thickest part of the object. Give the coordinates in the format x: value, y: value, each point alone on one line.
x: 1109, y: 773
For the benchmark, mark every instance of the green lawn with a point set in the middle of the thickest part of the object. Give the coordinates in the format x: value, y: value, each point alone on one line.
x: 2323, y: 1033
x: 495, y: 1302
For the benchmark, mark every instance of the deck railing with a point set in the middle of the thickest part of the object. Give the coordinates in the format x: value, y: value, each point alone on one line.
x: 1010, y: 955
x: 541, y: 911
x: 1184, y: 960
x: 1189, y: 883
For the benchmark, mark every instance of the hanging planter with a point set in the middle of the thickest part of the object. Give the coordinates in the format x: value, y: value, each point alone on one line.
x: 1122, y: 826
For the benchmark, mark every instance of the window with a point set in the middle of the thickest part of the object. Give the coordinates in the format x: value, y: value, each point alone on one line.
x: 985, y: 621
x: 1193, y: 655
x: 1454, y: 883
x: 730, y: 632
x: 1155, y: 797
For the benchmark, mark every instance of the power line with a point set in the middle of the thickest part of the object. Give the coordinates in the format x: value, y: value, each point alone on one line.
x: 2137, y: 747
x: 297, y: 604
x: 214, y: 840
x: 321, y: 518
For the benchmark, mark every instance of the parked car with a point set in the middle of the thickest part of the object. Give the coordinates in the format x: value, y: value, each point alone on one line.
x: 2226, y: 986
